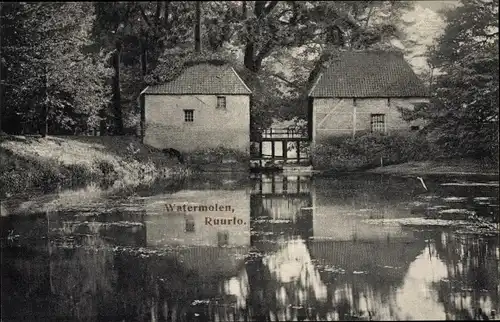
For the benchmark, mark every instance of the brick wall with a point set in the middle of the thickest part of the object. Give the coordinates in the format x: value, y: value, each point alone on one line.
x: 212, y: 127
x: 346, y: 113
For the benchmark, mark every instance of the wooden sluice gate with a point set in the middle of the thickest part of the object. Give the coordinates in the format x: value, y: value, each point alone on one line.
x: 274, y: 148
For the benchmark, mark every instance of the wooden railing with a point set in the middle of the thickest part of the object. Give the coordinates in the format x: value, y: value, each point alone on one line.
x: 279, y: 133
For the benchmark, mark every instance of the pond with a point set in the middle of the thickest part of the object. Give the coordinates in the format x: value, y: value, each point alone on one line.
x: 269, y: 248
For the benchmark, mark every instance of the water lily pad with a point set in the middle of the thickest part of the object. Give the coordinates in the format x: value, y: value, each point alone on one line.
x: 455, y: 199
x: 482, y: 198
x: 417, y: 222
x: 472, y: 184
x: 457, y: 211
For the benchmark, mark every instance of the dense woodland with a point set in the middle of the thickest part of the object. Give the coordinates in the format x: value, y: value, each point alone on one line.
x: 79, y: 67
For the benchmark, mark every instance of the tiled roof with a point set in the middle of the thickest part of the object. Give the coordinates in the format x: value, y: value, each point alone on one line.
x: 203, y: 79
x: 368, y: 74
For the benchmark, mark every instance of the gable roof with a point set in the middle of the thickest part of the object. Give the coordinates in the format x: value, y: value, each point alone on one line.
x: 368, y: 74
x: 203, y: 78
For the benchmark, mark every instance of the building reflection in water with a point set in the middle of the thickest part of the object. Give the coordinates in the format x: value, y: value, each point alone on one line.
x: 281, y: 207
x: 300, y: 274
x: 190, y: 228
x: 209, y: 250
x: 320, y: 260
x: 305, y: 253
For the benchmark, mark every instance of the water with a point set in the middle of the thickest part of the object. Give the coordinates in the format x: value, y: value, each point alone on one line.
x: 341, y: 248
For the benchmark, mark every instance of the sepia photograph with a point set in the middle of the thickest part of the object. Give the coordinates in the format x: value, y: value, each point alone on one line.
x: 185, y: 161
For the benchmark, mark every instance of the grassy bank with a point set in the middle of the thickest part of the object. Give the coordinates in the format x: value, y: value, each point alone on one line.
x: 34, y: 162
x: 451, y: 166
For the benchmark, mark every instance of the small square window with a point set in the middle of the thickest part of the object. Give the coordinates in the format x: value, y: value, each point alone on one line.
x: 415, y: 128
x: 222, y: 238
x: 188, y: 115
x: 221, y: 102
x: 189, y: 224
x: 378, y: 123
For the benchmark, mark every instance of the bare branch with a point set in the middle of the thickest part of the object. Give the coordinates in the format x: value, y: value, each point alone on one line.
x: 263, y: 9
x: 166, y: 14
x: 264, y: 52
x: 144, y: 16
x: 369, y: 15
x: 291, y: 83
x: 158, y: 11
x: 258, y: 8
x: 270, y: 6
x: 283, y: 12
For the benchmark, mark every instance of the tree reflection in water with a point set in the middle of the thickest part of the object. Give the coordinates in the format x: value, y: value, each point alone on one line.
x: 470, y: 290
x: 103, y: 267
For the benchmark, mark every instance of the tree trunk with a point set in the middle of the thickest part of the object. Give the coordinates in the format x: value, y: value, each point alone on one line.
x: 144, y: 57
x: 144, y: 71
x: 248, y: 59
x: 431, y: 81
x: 102, y: 123
x: 45, y: 125
x: 1, y: 106
x: 253, y: 57
x: 117, y: 91
x: 45, y: 109
x: 334, y: 39
x: 244, y: 10
x: 197, y: 28
x: 249, y: 53
x: 2, y: 97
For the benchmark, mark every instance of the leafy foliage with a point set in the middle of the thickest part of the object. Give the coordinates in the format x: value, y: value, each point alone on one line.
x: 366, y: 151
x: 48, y: 70
x: 216, y: 155
x: 463, y: 115
x: 151, y: 42
x: 297, y: 39
x: 77, y: 64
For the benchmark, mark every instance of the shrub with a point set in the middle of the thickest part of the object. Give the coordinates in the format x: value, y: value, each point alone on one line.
x: 366, y: 151
x: 217, y: 155
x: 105, y: 167
x: 79, y: 173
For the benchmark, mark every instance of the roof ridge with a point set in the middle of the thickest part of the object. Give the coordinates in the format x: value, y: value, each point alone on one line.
x: 203, y: 78
x: 208, y: 61
x: 368, y: 73
x: 372, y: 51
x: 241, y: 80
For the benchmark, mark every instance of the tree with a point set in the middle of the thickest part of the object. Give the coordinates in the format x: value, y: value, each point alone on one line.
x: 463, y: 114
x: 51, y: 77
x: 261, y: 32
x: 140, y: 33
x: 420, y: 28
x: 326, y: 27
x: 112, y: 30
x: 264, y: 32
x: 343, y: 25
x: 197, y: 28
